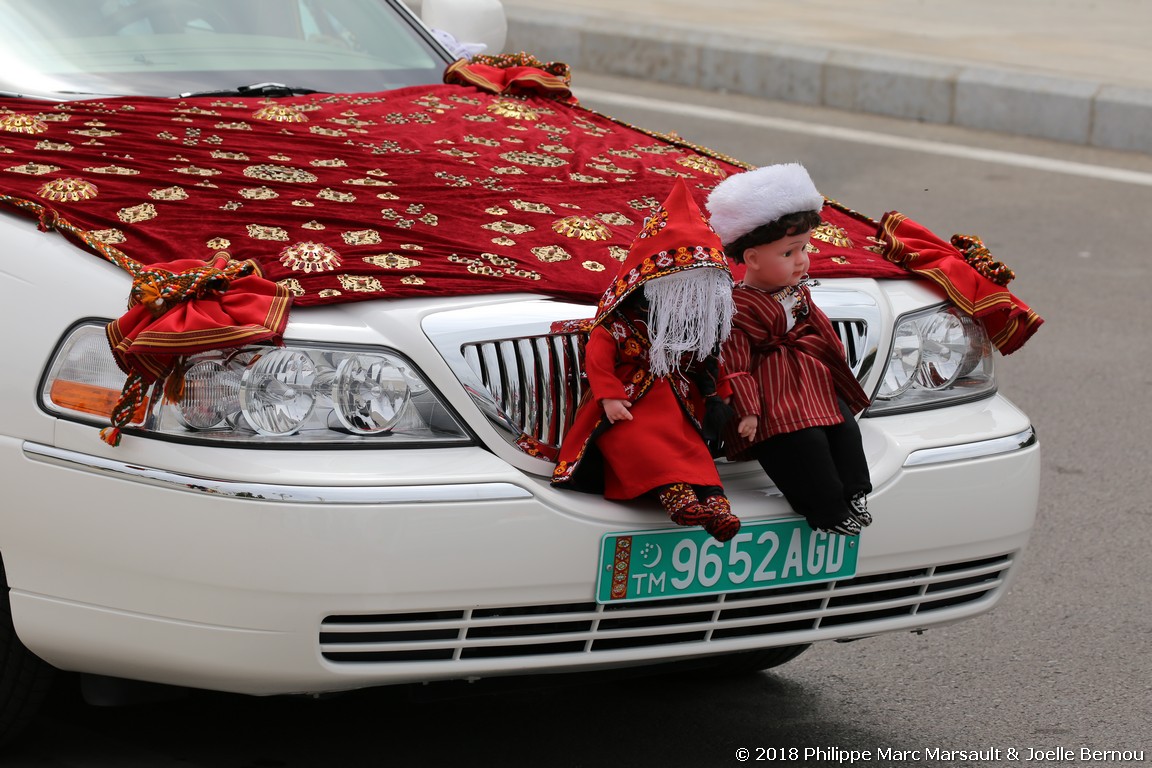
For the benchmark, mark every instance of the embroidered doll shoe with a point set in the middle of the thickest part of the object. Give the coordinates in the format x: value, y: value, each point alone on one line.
x: 860, y: 513
x: 846, y: 527
x: 680, y: 501
x: 723, y: 526
x: 722, y: 523
x: 693, y: 514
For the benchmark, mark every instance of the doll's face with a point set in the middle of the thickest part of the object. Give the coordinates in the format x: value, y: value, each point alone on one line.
x: 781, y: 263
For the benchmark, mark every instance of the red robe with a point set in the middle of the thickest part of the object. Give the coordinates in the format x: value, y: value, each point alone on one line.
x: 661, y: 445
x: 789, y: 378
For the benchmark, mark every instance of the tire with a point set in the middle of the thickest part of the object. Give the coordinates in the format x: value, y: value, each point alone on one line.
x: 25, y: 680
x: 750, y: 662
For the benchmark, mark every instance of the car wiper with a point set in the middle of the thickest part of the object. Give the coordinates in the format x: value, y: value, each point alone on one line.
x: 256, y: 89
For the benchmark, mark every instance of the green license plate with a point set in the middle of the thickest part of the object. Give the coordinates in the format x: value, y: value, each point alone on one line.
x: 680, y: 562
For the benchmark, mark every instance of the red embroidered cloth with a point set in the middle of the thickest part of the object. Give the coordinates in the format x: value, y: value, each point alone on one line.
x: 424, y: 191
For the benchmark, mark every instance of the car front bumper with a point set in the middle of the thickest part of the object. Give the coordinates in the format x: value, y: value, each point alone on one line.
x: 252, y: 572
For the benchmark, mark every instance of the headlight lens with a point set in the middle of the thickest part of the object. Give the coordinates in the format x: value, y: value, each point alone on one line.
x: 938, y: 357
x: 296, y: 394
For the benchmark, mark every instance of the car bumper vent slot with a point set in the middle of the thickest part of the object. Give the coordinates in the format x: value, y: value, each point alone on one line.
x: 799, y: 614
x: 537, y: 382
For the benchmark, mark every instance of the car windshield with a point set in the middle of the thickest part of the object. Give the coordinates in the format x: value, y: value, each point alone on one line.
x: 66, y: 49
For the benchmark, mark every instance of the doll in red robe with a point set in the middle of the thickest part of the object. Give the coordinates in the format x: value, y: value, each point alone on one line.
x: 794, y: 395
x: 650, y: 359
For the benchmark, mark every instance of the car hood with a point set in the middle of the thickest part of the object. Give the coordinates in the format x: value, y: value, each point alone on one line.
x: 441, y: 190
x: 455, y: 189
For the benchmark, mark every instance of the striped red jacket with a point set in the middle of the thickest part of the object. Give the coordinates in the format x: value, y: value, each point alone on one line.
x: 790, y: 378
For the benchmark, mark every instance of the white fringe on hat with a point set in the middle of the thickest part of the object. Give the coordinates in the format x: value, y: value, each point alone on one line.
x: 690, y: 312
x: 743, y: 202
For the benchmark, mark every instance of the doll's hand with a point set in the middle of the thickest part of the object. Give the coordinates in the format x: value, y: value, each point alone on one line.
x: 616, y: 410
x: 747, y: 426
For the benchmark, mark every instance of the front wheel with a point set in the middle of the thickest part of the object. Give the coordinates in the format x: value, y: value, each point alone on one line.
x: 25, y: 680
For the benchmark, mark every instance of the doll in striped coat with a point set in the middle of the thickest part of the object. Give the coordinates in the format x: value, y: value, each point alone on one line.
x: 794, y: 395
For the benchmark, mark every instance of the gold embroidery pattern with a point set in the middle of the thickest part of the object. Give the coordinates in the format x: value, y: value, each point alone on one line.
x: 293, y: 286
x: 169, y: 194
x: 310, y: 257
x: 114, y: 170
x: 832, y: 234
x: 606, y: 167
x: 534, y: 159
x: 702, y: 164
x: 369, y: 183
x: 392, y: 261
x: 68, y: 189
x: 137, y: 213
x: 109, y: 236
x: 33, y: 169
x: 95, y: 133
x: 493, y: 265
x: 524, y: 205
x: 22, y: 124
x: 192, y: 170
x: 362, y: 237
x: 509, y: 228
x: 515, y: 110
x: 615, y: 219
x: 280, y: 113
x: 280, y: 173
x: 259, y: 193
x: 581, y: 228
x: 361, y: 283
x: 551, y: 253
x: 260, y: 232
x: 335, y: 196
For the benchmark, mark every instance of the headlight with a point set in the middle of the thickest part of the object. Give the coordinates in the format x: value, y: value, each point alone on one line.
x: 938, y: 357
x: 263, y: 396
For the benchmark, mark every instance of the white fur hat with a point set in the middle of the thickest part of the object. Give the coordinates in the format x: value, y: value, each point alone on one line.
x: 743, y: 202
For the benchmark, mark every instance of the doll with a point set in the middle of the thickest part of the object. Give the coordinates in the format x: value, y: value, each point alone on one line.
x: 794, y: 395
x: 650, y: 361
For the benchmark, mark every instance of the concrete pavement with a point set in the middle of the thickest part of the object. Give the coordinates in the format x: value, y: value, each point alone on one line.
x: 1078, y: 71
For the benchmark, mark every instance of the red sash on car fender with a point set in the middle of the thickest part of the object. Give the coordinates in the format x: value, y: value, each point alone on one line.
x: 975, y: 286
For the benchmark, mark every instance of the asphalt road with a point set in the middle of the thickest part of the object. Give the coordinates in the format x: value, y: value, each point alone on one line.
x: 1060, y: 666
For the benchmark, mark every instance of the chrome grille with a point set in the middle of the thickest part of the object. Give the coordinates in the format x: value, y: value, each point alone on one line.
x: 861, y: 604
x: 538, y: 381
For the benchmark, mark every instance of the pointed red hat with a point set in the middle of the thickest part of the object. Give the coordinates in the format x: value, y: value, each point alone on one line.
x: 676, y: 237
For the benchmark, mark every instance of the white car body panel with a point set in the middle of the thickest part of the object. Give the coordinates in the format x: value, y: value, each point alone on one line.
x: 143, y: 561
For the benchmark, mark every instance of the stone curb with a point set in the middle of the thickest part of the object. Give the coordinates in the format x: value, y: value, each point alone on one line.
x: 1015, y: 102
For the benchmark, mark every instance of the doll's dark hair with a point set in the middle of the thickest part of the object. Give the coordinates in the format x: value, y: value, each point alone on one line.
x: 785, y: 226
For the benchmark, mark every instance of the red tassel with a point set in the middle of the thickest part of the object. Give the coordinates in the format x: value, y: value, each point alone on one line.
x: 111, y: 435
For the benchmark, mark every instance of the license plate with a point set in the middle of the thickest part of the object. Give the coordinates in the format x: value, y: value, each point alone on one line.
x: 680, y: 562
